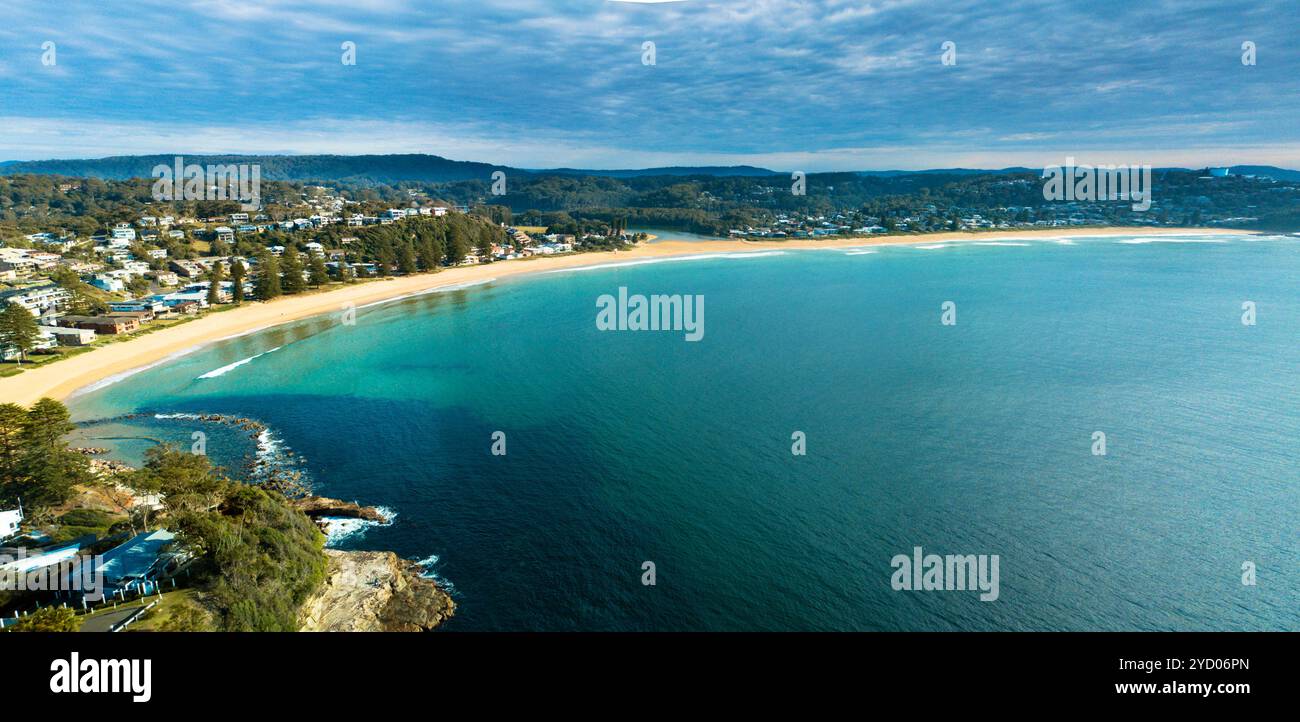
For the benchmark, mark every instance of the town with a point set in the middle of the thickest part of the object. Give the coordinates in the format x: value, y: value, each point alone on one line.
x: 159, y: 270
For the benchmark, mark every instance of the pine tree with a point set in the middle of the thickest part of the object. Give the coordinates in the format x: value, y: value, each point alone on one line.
x: 386, y: 259
x: 13, y: 419
x: 406, y: 259
x: 268, y: 278
x: 18, y: 330
x: 48, y: 469
x: 427, y: 251
x: 214, y: 284
x: 319, y: 274
x: 457, y: 244
x: 237, y: 281
x: 292, y: 265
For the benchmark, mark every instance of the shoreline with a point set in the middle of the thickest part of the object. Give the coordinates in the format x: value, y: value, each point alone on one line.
x: 68, y: 376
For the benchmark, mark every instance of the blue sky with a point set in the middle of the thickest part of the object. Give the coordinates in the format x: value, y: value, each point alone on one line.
x: 788, y: 84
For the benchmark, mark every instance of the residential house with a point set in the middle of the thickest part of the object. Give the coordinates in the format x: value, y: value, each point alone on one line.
x: 43, y: 341
x: 123, y: 232
x: 166, y: 278
x: 9, y: 522
x: 142, y: 317
x: 101, y: 324
x: 105, y: 282
x: 70, y: 336
x: 40, y: 299
x: 186, y: 268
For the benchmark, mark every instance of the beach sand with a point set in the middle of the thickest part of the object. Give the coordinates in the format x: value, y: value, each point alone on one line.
x: 59, y: 380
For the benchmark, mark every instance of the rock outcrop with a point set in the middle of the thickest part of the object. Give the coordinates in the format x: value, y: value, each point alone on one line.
x: 319, y: 506
x: 375, y: 592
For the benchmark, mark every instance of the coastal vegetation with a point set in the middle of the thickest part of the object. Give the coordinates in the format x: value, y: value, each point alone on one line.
x: 569, y: 203
x: 36, y: 465
x: 257, y: 558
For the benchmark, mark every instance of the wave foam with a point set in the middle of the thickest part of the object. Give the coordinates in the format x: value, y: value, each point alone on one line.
x: 427, y: 291
x: 110, y: 380
x: 427, y: 564
x: 338, y: 528
x: 214, y: 373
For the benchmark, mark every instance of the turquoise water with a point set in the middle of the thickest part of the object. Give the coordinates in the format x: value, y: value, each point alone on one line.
x: 626, y: 447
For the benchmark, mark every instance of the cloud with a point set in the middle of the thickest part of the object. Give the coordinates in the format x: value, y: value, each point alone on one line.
x: 767, y: 78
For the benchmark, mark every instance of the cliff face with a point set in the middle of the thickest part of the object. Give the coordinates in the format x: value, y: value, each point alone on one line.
x: 375, y: 592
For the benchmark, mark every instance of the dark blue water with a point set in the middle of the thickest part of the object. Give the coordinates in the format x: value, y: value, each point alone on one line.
x: 626, y: 447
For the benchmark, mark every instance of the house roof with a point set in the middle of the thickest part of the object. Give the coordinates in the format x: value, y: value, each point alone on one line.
x: 136, y: 557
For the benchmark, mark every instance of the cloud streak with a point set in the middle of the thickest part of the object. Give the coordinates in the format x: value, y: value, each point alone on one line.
x: 836, y: 84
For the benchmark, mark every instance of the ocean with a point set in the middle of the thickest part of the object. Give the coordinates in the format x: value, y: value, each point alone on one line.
x: 977, y: 437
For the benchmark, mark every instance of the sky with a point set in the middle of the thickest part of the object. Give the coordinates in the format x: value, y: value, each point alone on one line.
x: 785, y: 84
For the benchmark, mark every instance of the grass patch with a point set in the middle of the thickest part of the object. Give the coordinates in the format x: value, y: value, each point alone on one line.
x: 179, y: 611
x: 80, y: 522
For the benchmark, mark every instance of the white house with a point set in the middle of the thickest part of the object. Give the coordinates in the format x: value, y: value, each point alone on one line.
x: 105, y: 282
x: 39, y: 300
x: 123, y: 232
x: 9, y: 521
x: 69, y: 336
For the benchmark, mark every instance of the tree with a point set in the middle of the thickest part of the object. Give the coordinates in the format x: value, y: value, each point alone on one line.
x: 18, y: 330
x: 316, y: 270
x: 185, y: 480
x: 427, y: 252
x: 138, y: 286
x: 268, y: 278
x: 406, y: 259
x: 237, y: 281
x: 457, y: 244
x: 484, y: 247
x: 47, y: 469
x: 13, y: 419
x: 84, y: 301
x: 214, y: 284
x: 385, y: 259
x: 292, y: 267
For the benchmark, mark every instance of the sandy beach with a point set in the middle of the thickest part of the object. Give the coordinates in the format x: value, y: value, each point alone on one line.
x: 59, y: 380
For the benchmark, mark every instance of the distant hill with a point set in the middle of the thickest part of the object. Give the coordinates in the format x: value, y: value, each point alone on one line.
x: 947, y: 171
x: 425, y: 168
x: 1266, y: 170
x: 373, y: 168
x: 745, y: 171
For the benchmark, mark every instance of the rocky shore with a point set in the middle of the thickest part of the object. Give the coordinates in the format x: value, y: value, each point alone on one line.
x: 375, y: 592
x: 318, y: 507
